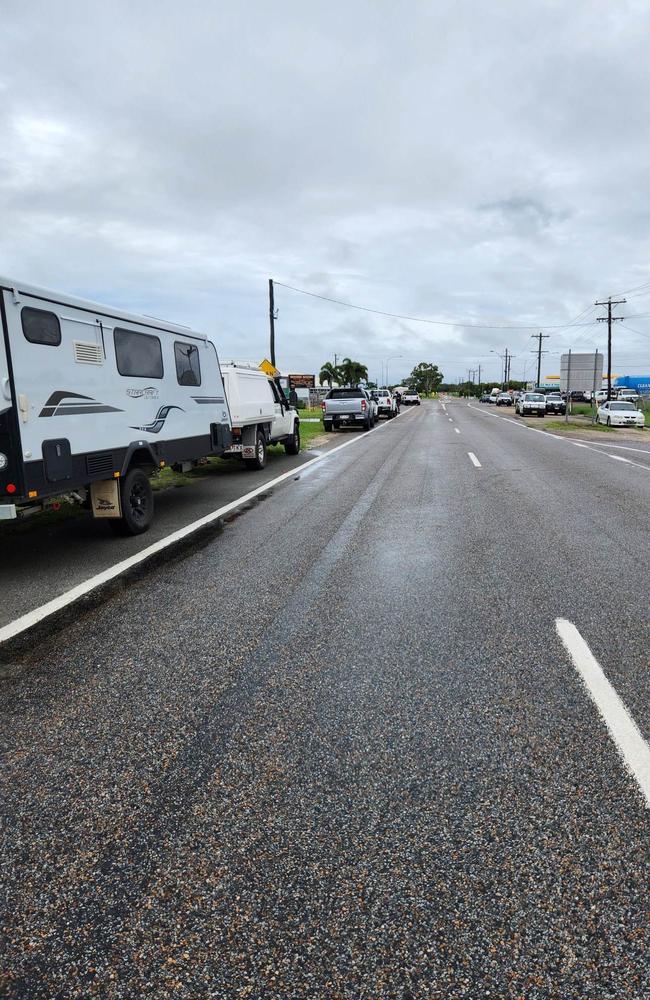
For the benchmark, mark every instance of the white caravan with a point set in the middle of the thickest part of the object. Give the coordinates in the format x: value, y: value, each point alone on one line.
x: 95, y: 398
x: 261, y: 415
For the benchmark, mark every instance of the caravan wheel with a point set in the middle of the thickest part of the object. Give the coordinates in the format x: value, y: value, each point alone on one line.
x: 137, y: 503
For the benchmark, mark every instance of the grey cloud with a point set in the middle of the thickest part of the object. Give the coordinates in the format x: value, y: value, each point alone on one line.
x: 171, y: 159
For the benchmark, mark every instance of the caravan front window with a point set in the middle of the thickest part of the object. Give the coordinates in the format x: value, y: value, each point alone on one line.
x: 138, y: 354
x: 41, y: 327
x: 188, y: 367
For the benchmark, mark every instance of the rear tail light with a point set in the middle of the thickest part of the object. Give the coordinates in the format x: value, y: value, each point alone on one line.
x: 363, y: 404
x: 322, y: 406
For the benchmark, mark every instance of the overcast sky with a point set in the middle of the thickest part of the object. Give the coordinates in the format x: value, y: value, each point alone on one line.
x: 451, y: 160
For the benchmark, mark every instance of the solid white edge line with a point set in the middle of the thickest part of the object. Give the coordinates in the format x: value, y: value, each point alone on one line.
x: 474, y: 460
x: 624, y: 731
x: 31, y: 618
x: 456, y: 429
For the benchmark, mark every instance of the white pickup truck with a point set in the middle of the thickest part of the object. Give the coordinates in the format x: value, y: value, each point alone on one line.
x: 346, y: 407
x: 261, y: 415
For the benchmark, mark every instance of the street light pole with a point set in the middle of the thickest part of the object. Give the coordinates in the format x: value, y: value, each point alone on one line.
x: 392, y: 357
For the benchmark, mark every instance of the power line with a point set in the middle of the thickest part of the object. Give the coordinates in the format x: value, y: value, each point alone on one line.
x: 420, y: 319
x: 632, y: 330
x: 630, y: 291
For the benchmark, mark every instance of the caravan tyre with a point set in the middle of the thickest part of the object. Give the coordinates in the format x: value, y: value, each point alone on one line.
x: 136, y: 497
x: 260, y: 454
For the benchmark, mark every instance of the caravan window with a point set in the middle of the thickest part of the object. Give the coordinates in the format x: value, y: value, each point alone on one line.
x: 41, y: 327
x: 188, y: 366
x: 138, y: 354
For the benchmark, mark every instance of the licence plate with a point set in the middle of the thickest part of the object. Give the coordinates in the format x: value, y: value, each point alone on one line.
x: 344, y: 416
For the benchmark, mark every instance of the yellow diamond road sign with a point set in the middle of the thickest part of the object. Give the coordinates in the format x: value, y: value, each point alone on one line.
x: 270, y: 369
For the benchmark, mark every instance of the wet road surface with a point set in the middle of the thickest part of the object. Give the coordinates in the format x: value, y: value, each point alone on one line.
x: 341, y: 751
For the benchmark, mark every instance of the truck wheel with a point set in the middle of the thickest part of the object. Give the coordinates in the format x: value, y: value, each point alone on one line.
x: 367, y: 424
x: 260, y: 454
x: 292, y: 443
x: 136, y: 498
x: 327, y: 425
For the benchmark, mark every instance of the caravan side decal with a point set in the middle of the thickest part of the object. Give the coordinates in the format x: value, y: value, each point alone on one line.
x: 66, y: 404
x: 158, y: 422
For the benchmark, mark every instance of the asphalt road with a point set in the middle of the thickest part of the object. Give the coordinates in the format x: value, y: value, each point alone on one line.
x: 43, y: 558
x: 340, y: 751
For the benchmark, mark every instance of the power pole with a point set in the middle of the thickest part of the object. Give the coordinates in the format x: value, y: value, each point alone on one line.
x: 272, y: 317
x: 610, y: 319
x: 540, y: 337
x: 479, y: 375
x: 505, y: 370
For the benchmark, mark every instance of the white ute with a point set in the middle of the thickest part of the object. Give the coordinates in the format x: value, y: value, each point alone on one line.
x: 260, y: 413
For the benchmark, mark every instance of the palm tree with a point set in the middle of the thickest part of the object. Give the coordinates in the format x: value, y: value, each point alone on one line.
x: 353, y: 372
x: 329, y: 373
x: 360, y: 373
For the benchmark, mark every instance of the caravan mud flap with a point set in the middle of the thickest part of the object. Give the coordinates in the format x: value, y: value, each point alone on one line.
x: 105, y: 498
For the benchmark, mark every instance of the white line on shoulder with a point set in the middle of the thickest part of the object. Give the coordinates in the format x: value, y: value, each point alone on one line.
x: 622, y: 728
x: 474, y: 460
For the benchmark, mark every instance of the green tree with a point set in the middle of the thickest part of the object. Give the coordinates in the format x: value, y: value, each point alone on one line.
x: 329, y: 373
x: 353, y: 372
x: 425, y: 378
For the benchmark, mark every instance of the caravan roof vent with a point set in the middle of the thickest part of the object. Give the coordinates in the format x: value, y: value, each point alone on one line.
x: 88, y: 354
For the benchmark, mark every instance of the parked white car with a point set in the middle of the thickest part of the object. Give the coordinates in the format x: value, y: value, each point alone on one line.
x: 261, y: 415
x: 628, y: 396
x: 531, y: 403
x: 618, y: 413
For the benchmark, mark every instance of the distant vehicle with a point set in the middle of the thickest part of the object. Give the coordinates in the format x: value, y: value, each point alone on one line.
x: 494, y: 393
x: 346, y: 407
x: 386, y: 403
x: 530, y: 403
x: 504, y: 399
x: 94, y: 399
x: 555, y: 403
x: 485, y: 398
x: 620, y: 414
x: 261, y: 415
x: 628, y: 395
x: 411, y: 398
x: 601, y: 396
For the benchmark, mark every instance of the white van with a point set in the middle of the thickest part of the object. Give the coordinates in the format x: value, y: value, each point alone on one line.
x: 94, y: 398
x: 261, y: 415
